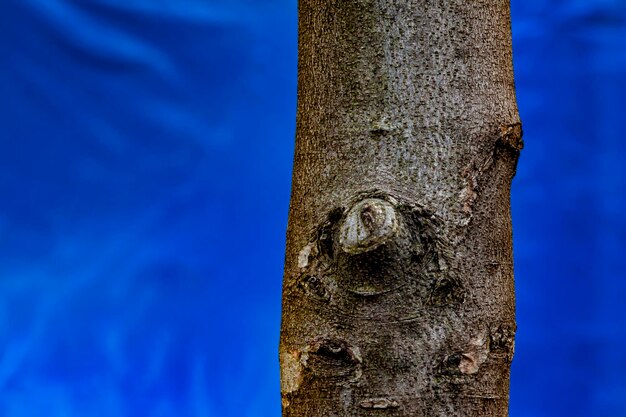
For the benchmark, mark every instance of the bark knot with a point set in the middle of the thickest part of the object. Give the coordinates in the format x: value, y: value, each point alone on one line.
x: 367, y: 225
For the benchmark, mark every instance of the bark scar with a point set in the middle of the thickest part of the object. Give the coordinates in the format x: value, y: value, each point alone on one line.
x: 290, y: 372
x: 379, y: 403
x: 303, y: 256
x: 476, y: 355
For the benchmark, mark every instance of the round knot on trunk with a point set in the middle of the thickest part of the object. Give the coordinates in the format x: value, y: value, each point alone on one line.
x: 367, y: 225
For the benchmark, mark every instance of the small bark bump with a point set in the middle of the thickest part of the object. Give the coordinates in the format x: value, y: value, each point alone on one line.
x: 315, y: 286
x: 511, y: 136
x: 379, y: 403
x: 332, y: 360
x: 336, y: 349
x: 502, y: 341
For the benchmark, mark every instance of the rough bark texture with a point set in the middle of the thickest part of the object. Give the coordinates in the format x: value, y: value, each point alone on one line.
x: 398, y: 296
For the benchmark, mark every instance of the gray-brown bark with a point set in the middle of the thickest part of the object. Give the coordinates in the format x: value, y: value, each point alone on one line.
x: 398, y: 295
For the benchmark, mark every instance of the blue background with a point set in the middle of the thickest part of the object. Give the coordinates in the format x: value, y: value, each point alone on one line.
x: 144, y: 183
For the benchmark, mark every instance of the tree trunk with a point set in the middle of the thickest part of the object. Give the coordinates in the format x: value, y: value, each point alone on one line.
x: 398, y: 295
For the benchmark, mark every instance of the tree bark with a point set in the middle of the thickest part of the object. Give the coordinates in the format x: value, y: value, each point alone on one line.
x: 398, y: 294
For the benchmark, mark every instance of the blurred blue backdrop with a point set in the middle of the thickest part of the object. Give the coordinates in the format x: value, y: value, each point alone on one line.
x: 144, y: 185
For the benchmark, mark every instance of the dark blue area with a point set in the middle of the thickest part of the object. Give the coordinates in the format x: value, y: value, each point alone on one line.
x: 144, y: 185
x: 568, y: 202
